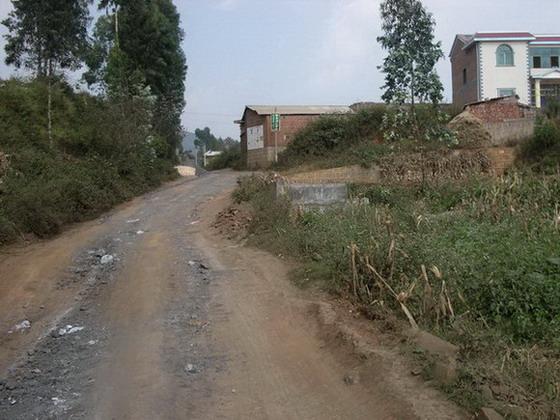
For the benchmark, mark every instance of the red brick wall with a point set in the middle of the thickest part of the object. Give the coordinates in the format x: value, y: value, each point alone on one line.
x: 500, y: 110
x: 289, y: 126
x: 464, y: 93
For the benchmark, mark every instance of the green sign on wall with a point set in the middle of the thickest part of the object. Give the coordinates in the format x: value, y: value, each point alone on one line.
x: 275, y: 120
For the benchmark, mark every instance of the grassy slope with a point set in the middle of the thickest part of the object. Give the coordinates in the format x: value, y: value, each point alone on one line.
x: 491, y: 249
x: 100, y: 156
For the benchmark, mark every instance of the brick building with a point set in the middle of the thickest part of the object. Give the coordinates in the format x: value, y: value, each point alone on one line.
x: 500, y: 109
x: 487, y: 65
x: 260, y: 145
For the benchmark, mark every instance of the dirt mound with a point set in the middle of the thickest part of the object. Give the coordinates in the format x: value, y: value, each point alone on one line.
x: 470, y: 131
x: 233, y: 222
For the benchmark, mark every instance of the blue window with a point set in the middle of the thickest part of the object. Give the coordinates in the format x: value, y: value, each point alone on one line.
x: 504, y: 56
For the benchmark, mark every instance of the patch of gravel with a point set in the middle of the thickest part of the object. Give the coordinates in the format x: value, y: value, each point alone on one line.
x: 50, y: 380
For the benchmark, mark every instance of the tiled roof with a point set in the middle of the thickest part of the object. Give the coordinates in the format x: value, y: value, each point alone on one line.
x: 546, y: 39
x: 501, y: 35
x: 465, y: 39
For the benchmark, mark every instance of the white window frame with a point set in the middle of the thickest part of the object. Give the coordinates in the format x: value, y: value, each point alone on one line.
x: 501, y: 46
x: 501, y: 95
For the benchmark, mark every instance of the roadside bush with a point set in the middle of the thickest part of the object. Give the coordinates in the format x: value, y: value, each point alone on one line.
x: 335, y: 136
x: 102, y: 153
x: 248, y: 187
x: 477, y: 262
x: 230, y: 158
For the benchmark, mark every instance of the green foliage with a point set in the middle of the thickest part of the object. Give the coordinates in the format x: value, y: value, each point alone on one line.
x: 547, y: 135
x: 205, y: 139
x: 44, y: 35
x: 146, y: 52
x: 248, y: 188
x: 105, y: 153
x: 496, y: 243
x: 552, y: 109
x: 427, y: 123
x: 230, y: 158
x: 409, y: 67
x: 351, y: 137
x: 493, y: 242
x: 544, y: 147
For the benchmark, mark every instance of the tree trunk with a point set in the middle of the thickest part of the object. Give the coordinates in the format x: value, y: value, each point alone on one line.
x: 117, y: 40
x: 413, y: 104
x: 49, y: 110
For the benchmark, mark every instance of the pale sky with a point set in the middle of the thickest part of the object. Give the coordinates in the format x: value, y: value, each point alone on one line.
x: 310, y: 51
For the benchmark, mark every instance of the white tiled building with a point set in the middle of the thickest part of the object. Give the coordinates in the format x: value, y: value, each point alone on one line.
x: 493, y: 64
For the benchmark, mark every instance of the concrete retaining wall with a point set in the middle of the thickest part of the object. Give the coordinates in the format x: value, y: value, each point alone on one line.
x: 262, y: 158
x: 510, y: 131
x: 312, y: 195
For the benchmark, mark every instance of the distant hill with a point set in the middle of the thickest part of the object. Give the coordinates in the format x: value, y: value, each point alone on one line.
x: 188, y: 142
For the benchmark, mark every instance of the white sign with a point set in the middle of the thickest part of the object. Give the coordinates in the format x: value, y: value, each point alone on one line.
x: 255, y: 137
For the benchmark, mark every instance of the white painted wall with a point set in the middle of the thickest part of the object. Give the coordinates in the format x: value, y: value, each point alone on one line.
x: 255, y: 137
x: 494, y: 77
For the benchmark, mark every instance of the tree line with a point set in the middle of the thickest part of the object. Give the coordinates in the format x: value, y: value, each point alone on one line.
x: 133, y: 54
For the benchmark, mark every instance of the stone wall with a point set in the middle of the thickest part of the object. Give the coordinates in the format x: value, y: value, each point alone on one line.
x: 346, y: 174
x: 442, y: 165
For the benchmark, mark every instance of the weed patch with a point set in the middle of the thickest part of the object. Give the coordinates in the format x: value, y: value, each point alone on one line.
x: 102, y: 153
x: 476, y: 261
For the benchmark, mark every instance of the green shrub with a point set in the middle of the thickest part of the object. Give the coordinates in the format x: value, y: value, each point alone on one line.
x: 103, y: 153
x: 498, y: 247
x: 544, y: 147
x: 335, y: 136
x: 248, y: 187
x: 494, y: 245
x: 230, y: 158
x: 547, y: 135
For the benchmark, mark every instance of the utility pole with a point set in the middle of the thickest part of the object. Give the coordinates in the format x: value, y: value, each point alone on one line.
x: 275, y: 128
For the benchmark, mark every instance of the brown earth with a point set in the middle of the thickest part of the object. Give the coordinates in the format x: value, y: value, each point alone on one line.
x: 185, y: 324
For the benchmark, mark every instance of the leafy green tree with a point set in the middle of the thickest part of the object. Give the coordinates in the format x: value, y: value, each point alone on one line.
x: 409, y: 67
x: 205, y: 138
x: 140, y: 43
x: 47, y: 37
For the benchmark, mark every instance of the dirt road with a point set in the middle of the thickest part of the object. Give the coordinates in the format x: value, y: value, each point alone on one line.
x: 147, y: 314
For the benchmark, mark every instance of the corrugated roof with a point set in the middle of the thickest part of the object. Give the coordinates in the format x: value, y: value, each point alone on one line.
x: 300, y: 109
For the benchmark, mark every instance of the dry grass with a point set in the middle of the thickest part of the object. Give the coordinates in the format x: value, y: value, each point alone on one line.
x: 434, y: 166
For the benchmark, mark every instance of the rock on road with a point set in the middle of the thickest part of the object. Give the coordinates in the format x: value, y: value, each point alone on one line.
x: 146, y: 314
